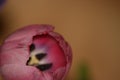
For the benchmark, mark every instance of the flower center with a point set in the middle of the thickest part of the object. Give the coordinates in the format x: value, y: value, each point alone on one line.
x: 46, y: 53
x: 36, y: 57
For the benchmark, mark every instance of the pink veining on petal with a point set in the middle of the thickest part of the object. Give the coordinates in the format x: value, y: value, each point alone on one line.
x: 19, y: 72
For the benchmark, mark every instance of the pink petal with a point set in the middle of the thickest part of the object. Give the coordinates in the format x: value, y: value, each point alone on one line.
x: 19, y: 72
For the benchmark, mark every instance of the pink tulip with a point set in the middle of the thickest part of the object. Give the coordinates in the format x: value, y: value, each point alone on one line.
x: 35, y: 52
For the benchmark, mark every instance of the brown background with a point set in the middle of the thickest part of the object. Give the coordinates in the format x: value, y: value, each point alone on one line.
x: 91, y: 27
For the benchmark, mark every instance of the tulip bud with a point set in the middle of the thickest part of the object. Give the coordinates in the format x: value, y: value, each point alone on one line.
x: 35, y: 52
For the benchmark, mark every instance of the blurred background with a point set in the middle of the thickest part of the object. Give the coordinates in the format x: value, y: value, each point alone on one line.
x: 92, y: 27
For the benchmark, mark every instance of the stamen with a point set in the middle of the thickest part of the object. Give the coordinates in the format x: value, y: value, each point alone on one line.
x: 32, y: 47
x: 40, y: 56
x: 44, y: 67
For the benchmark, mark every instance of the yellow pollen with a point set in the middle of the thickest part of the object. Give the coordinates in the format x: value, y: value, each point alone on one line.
x: 33, y: 61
